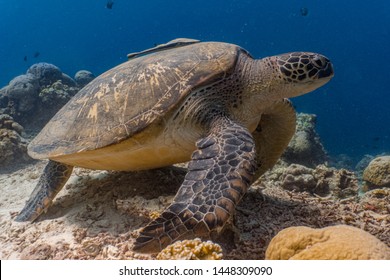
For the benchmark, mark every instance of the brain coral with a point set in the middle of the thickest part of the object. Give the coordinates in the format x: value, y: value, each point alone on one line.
x: 339, y: 242
x: 24, y: 90
x: 46, y: 73
x: 377, y: 173
x: 191, y: 250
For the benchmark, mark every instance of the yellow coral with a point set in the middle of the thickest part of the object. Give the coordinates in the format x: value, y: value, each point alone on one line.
x: 193, y: 249
x: 331, y: 243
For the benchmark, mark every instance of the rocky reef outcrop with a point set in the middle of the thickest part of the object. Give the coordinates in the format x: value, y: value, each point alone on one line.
x: 46, y: 74
x: 13, y: 147
x: 22, y: 92
x: 83, y: 77
x: 305, y: 147
x: 28, y: 102
x: 33, y: 98
x: 320, y: 181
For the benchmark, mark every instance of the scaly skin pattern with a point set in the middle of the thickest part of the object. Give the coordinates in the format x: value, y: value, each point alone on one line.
x: 219, y: 174
x: 212, y: 96
x: 52, y: 180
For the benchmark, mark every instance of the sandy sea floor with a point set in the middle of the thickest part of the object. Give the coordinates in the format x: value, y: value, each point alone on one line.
x: 98, y: 214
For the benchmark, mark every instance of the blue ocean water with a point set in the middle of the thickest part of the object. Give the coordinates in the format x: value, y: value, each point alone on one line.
x: 353, y: 109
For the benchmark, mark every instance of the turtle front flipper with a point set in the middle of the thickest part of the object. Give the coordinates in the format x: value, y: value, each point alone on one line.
x: 51, y: 182
x: 219, y: 174
x: 273, y: 134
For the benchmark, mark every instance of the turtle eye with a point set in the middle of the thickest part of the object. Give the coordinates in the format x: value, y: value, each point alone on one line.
x: 319, y: 61
x: 323, y: 66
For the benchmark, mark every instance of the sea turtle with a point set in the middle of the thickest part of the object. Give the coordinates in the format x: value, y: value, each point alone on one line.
x: 209, y: 103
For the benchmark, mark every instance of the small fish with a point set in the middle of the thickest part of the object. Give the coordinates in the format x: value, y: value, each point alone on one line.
x: 304, y: 11
x: 109, y: 4
x: 25, y: 58
x: 376, y: 138
x: 36, y: 54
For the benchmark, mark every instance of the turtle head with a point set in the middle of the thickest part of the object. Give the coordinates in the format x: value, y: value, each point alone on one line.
x: 302, y: 72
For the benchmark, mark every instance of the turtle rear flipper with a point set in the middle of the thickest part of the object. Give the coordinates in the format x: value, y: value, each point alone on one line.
x: 220, y: 172
x: 50, y: 183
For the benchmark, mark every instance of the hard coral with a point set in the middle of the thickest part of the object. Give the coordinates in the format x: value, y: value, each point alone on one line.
x: 331, y: 243
x: 377, y: 173
x: 191, y: 250
x: 320, y: 181
x: 83, y: 77
x: 57, y: 94
x: 13, y: 147
x: 24, y: 91
x: 48, y: 74
x: 45, y: 73
x: 305, y: 147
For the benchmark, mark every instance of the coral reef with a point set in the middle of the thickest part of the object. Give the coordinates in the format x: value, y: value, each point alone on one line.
x: 300, y: 178
x: 23, y: 90
x: 57, y: 94
x: 193, y: 249
x: 320, y: 181
x: 33, y: 98
x: 13, y: 147
x: 83, y: 77
x: 339, y: 242
x: 7, y: 122
x: 47, y: 74
x: 98, y: 214
x: 305, y: 147
x: 377, y: 173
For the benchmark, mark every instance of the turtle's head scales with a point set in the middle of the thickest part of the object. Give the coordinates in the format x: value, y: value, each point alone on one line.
x: 304, y: 71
